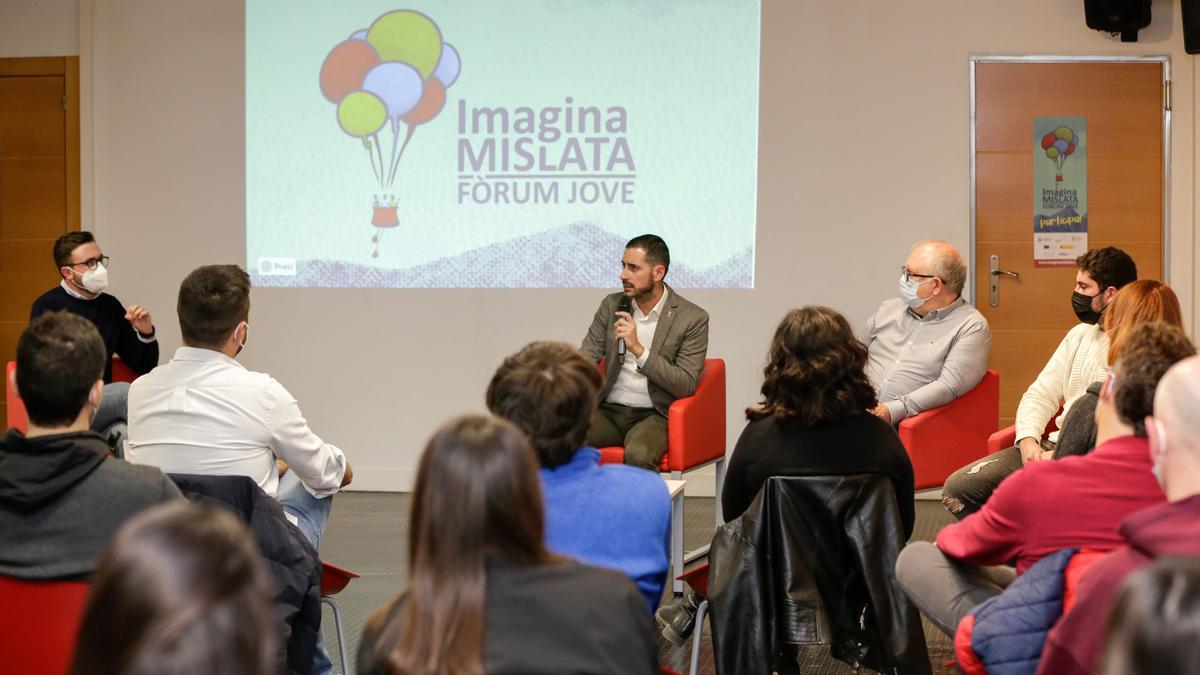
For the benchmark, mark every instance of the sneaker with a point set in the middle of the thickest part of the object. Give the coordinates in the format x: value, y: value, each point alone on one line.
x: 677, y: 619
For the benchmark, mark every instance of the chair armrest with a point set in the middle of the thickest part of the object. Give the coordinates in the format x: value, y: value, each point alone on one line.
x: 696, y: 423
x: 941, y: 440
x: 1005, y: 438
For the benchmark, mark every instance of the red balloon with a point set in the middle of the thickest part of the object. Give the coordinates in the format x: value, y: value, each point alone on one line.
x: 432, y: 100
x: 345, y: 68
x: 1048, y: 140
x: 1070, y: 149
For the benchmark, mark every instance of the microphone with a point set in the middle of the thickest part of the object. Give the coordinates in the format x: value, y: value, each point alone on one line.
x: 626, y: 305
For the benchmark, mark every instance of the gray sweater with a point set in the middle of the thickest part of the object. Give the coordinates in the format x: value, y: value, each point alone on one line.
x: 61, y: 500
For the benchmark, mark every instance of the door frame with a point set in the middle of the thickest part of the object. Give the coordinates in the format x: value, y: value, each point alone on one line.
x: 1166, y: 139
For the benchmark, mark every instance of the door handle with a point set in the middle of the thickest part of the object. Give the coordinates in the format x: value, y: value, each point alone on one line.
x: 994, y: 272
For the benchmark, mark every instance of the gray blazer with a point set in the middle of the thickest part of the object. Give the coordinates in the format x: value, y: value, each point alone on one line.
x: 676, y: 355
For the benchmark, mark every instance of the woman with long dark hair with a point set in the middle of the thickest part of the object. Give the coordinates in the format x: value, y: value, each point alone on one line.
x: 484, y: 594
x: 813, y: 419
x: 181, y: 590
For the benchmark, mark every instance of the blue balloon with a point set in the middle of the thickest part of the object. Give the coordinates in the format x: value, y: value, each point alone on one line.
x: 448, y: 66
x: 1061, y: 145
x: 359, y: 35
x: 397, y: 84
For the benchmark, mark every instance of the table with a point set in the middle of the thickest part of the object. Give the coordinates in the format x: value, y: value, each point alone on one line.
x: 675, y: 488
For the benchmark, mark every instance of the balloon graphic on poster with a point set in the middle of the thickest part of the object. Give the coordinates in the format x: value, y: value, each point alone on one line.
x: 1059, y: 145
x: 386, y: 80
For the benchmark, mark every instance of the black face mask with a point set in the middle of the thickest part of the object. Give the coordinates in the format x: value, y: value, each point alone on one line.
x: 1082, y: 304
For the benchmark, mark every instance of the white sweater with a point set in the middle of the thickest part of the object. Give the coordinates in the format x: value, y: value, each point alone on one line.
x: 1080, y: 360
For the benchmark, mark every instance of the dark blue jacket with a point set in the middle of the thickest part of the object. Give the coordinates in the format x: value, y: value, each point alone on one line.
x: 1010, y: 629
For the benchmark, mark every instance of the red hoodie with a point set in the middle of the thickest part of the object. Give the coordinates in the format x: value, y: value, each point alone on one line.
x: 1075, y: 642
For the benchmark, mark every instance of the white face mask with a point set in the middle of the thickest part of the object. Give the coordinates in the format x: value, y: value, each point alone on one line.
x: 908, y: 292
x: 95, y: 279
x: 1160, y: 457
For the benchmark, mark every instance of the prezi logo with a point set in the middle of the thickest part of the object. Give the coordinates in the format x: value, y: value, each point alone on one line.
x: 277, y: 267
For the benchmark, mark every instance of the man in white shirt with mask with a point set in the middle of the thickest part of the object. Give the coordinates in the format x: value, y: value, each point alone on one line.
x: 127, y: 332
x: 205, y: 413
x: 927, y: 347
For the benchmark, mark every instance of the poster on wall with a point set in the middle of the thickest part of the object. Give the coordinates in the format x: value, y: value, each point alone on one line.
x: 1060, y: 222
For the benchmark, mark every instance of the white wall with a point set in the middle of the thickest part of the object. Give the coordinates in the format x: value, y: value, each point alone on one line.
x: 864, y: 150
x: 39, y: 28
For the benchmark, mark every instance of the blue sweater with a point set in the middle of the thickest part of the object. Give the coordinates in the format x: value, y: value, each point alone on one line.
x: 614, y: 516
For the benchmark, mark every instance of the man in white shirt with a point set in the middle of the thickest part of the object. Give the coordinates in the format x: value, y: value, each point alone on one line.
x: 1080, y: 359
x: 653, y: 342
x: 204, y: 413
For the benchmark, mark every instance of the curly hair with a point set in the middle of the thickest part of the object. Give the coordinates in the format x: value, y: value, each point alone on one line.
x: 1150, y: 351
x: 815, y: 369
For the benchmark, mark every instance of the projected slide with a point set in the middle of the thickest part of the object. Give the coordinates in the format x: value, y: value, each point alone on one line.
x: 515, y: 144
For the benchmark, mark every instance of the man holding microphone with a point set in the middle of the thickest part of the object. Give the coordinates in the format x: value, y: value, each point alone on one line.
x: 653, y: 342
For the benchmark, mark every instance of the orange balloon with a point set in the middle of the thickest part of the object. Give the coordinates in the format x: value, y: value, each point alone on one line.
x: 431, y: 103
x: 345, y: 68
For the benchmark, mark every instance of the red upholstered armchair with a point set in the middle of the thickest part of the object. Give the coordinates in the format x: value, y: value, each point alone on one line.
x: 38, y: 624
x: 941, y: 440
x: 1007, y: 437
x: 695, y: 429
x: 18, y: 419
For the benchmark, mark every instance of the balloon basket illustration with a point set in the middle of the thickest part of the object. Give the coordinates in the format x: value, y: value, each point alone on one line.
x: 1059, y: 145
x: 390, y: 77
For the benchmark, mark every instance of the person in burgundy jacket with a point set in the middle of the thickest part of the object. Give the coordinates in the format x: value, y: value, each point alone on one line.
x: 1170, y: 529
x: 1076, y: 501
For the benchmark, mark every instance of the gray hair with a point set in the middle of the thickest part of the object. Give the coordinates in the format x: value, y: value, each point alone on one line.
x: 945, y: 263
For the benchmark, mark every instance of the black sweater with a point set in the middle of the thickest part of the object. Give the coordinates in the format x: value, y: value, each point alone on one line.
x: 561, y: 617
x: 860, y: 443
x: 107, y: 313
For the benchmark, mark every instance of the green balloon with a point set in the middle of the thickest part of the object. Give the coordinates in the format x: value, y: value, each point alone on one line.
x: 409, y: 37
x: 361, y: 114
x: 1065, y: 133
x: 1052, y: 152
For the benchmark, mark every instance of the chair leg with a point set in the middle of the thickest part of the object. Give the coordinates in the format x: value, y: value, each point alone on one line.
x: 697, y: 631
x: 720, y: 471
x: 337, y: 626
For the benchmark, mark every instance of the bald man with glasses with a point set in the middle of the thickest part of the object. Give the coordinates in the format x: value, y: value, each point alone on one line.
x: 127, y: 332
x: 928, y: 346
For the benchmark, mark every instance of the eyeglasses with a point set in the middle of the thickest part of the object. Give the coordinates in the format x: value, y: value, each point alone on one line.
x: 909, y: 275
x: 91, y: 262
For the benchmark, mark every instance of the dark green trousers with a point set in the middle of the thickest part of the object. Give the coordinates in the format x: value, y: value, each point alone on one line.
x: 642, y: 431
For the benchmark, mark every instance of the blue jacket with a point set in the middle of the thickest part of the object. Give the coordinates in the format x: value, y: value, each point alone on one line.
x: 614, y: 516
x: 1010, y: 629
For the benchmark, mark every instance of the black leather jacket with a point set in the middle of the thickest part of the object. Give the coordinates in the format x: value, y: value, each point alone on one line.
x: 812, y: 562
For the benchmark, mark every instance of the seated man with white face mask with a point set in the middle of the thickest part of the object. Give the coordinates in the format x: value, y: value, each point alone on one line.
x: 127, y: 332
x: 927, y: 347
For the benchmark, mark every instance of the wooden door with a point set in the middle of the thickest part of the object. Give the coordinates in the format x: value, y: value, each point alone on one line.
x: 39, y: 182
x: 1124, y: 103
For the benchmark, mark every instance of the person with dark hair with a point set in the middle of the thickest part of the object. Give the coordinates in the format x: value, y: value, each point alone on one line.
x: 61, y: 495
x: 1137, y: 303
x: 126, y: 331
x: 484, y: 593
x: 1073, y: 502
x: 814, y: 420
x: 653, y: 342
x: 182, y: 590
x: 204, y: 413
x: 1162, y: 531
x: 953, y: 339
x: 612, y: 516
x: 1155, y: 623
x: 1080, y: 359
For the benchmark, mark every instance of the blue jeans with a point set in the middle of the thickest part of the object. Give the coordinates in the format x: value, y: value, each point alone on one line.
x: 113, y: 412
x: 311, y: 515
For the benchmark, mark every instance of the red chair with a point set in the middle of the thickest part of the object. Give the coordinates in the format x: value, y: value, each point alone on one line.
x: 19, y: 419
x: 942, y: 440
x: 38, y: 624
x: 695, y: 430
x: 333, y: 580
x: 1007, y: 437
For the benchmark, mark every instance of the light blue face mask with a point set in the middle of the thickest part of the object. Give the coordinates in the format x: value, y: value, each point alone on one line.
x: 1161, y: 456
x: 908, y: 292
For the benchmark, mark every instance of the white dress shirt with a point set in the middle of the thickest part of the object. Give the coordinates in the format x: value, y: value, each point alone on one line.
x: 632, y: 388
x: 204, y: 413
